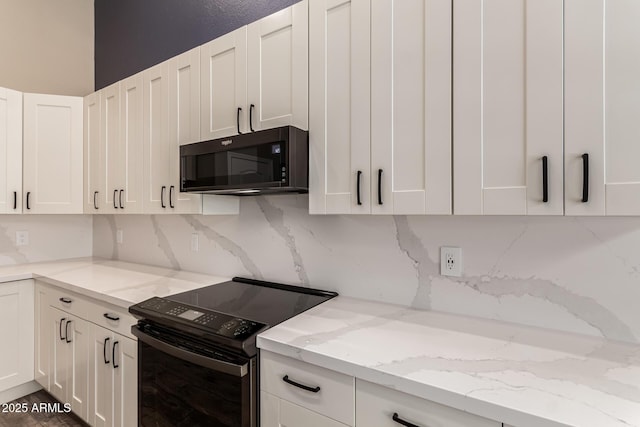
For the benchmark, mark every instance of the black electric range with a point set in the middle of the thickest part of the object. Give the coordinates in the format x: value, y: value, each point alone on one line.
x: 197, y: 350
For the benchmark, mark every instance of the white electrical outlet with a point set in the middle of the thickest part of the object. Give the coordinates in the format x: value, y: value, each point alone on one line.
x: 119, y: 236
x: 22, y: 238
x: 194, y: 242
x: 451, y: 261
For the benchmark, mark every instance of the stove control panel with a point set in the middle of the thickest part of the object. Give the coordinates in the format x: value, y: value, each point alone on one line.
x: 214, y: 322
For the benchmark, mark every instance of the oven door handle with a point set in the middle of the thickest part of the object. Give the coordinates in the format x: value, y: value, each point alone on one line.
x: 196, y: 359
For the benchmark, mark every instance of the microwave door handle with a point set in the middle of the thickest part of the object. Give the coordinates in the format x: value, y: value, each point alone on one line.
x: 187, y: 356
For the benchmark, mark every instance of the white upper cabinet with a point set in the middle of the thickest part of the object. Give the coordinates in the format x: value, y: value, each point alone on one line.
x: 508, y: 107
x: 131, y: 146
x: 110, y: 134
x: 277, y: 64
x: 223, y: 65
x: 339, y: 106
x: 184, y: 125
x: 93, y: 155
x: 53, y: 160
x: 10, y: 151
x: 157, y: 150
x: 410, y: 107
x: 602, y: 106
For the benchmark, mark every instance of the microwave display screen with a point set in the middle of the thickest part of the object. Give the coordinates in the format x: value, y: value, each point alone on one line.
x: 259, y: 164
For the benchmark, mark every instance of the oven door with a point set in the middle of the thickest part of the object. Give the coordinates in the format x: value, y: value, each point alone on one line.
x: 183, y: 384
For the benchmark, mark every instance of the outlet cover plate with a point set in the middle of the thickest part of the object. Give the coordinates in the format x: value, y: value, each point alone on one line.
x: 450, y: 261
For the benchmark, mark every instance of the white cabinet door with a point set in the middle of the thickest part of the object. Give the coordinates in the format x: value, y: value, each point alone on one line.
x: 377, y: 406
x: 602, y: 106
x: 277, y: 68
x: 78, y: 366
x: 125, y: 366
x: 93, y: 155
x: 43, y: 337
x: 411, y: 107
x: 101, y: 378
x: 339, y: 106
x: 508, y: 106
x: 10, y: 151
x: 59, y: 354
x: 16, y: 330
x: 276, y: 412
x: 110, y: 135
x: 131, y: 145
x: 157, y: 151
x: 223, y: 65
x: 184, y: 125
x: 53, y: 177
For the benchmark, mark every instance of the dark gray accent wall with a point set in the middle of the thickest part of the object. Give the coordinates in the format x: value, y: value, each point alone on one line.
x: 132, y: 35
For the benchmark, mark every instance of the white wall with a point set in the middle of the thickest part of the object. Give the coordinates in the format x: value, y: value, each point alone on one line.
x: 47, y: 46
x: 51, y: 237
x: 573, y: 274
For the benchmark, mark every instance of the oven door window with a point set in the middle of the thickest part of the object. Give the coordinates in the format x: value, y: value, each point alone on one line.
x: 174, y: 392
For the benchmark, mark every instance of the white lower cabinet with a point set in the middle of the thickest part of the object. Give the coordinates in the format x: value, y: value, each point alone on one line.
x: 82, y: 357
x: 276, y: 412
x: 383, y: 407
x: 16, y: 330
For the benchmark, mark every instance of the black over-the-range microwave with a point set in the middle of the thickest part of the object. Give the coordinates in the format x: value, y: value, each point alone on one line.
x: 266, y: 161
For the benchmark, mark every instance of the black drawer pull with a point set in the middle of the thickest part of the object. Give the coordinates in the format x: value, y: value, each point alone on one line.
x: 104, y: 351
x: 545, y: 179
x: 115, y: 193
x: 379, y: 186
x: 302, y: 386
x: 95, y: 203
x: 358, y: 175
x: 66, y: 331
x: 171, y: 189
x: 113, y: 354
x: 66, y: 300
x: 60, y: 329
x: 402, y: 422
x: 120, y: 199
x: 162, y: 190
x: 585, y: 178
x: 251, y: 117
x: 110, y: 317
x: 15, y: 200
x: 28, y: 194
x: 238, y: 120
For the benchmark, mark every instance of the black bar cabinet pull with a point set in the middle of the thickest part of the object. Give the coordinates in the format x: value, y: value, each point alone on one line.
x: 60, y: 328
x: 113, y: 354
x: 66, y: 300
x: 104, y: 351
x: 164, y: 188
x: 238, y: 120
x: 379, y: 186
x: 585, y: 178
x: 171, y: 189
x: 110, y: 317
x: 95, y: 204
x: 358, y: 187
x: 545, y: 179
x: 120, y: 199
x: 302, y: 386
x: 28, y: 194
x: 402, y: 422
x: 66, y: 331
x: 115, y: 193
x: 251, y: 107
x: 15, y: 200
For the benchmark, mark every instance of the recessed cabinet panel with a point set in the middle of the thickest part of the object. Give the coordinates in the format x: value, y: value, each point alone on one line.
x: 602, y: 40
x: 339, y: 106
x: 93, y: 156
x: 10, y: 151
x: 131, y: 145
x: 411, y: 107
x: 508, y: 107
x: 53, y: 160
x: 277, y: 64
x: 224, y: 85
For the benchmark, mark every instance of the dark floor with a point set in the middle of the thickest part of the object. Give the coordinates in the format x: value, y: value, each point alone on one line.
x: 10, y: 418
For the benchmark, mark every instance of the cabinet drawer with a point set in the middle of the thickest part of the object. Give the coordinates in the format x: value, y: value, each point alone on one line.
x: 113, y: 318
x: 376, y: 406
x: 334, y: 399
x: 68, y: 301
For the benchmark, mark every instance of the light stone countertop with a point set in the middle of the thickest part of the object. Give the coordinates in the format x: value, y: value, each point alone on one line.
x: 119, y: 283
x: 522, y: 376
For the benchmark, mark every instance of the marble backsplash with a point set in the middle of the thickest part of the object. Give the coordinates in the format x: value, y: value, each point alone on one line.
x: 578, y: 275
x: 51, y: 237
